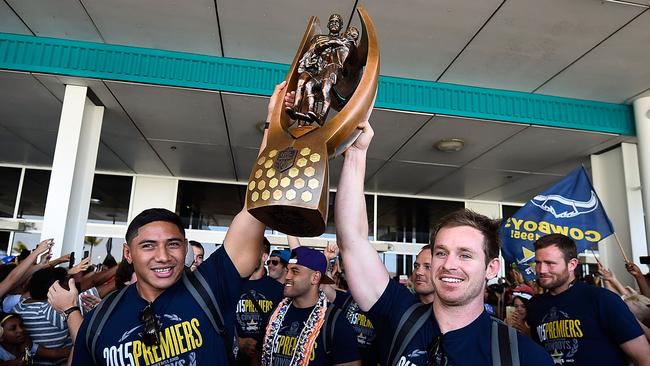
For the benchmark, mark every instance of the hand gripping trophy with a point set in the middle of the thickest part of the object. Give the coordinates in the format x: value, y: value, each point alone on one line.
x: 288, y: 187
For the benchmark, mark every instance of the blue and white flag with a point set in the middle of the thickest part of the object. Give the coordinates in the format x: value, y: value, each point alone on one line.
x: 571, y: 207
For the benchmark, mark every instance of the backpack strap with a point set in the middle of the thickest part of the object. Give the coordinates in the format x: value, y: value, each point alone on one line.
x: 98, y: 319
x: 504, y: 344
x: 198, y: 287
x: 409, y: 324
x: 201, y: 292
x: 331, y: 316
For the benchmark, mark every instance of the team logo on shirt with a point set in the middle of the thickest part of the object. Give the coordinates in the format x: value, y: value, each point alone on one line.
x: 285, y: 344
x: 560, y: 334
x: 177, y: 345
x: 249, y: 319
x: 361, y: 324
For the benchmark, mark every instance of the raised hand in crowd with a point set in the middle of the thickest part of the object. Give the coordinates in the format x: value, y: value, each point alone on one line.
x: 89, y: 302
x: 80, y: 267
x: 611, y: 282
x: 22, y: 270
x: 331, y: 251
x: 635, y: 271
x: 66, y: 301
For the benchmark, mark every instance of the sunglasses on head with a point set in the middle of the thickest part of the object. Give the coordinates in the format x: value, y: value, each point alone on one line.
x: 151, y: 328
x: 436, y: 353
x: 274, y: 262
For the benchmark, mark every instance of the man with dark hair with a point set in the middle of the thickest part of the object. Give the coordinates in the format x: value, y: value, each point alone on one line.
x: 170, y: 315
x: 277, y: 264
x: 299, y: 330
x: 46, y: 327
x: 261, y: 294
x: 421, y: 276
x: 199, y: 252
x: 577, y: 323
x: 454, y: 329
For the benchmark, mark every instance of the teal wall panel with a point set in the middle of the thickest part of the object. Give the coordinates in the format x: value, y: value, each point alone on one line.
x: 170, y: 68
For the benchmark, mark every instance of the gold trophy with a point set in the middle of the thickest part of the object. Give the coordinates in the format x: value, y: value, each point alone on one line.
x: 289, y: 184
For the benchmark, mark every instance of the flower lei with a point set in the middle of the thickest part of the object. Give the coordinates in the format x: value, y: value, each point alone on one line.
x: 307, y: 337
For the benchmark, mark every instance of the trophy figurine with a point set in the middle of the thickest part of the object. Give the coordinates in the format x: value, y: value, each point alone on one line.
x: 289, y: 184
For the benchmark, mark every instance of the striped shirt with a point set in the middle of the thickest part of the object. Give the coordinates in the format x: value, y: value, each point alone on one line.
x: 45, y: 326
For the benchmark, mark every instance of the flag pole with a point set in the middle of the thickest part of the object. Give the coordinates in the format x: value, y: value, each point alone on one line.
x: 627, y: 260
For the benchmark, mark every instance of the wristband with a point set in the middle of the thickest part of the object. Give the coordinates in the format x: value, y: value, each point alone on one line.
x: 266, y: 125
x: 67, y: 312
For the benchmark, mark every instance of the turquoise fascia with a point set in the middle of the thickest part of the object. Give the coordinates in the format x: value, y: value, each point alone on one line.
x: 171, y: 68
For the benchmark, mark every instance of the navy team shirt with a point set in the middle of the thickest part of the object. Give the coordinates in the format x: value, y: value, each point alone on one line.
x: 267, y: 292
x: 362, y: 326
x: 343, y: 344
x: 583, y: 325
x: 469, y: 345
x: 187, y: 337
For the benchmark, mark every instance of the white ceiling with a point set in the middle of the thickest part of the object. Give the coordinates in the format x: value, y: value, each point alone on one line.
x: 586, y: 49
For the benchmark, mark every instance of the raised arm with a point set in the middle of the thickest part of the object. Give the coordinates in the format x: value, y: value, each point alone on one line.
x: 293, y: 242
x: 366, y: 275
x: 635, y: 271
x: 21, y: 270
x: 244, y: 237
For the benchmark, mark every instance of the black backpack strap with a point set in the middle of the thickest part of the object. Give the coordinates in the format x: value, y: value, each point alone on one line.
x: 200, y: 290
x: 331, y: 316
x: 504, y: 344
x: 409, y: 324
x: 98, y: 319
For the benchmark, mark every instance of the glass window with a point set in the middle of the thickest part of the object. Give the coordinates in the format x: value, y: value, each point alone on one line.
x: 22, y: 241
x: 410, y: 220
x: 4, y: 242
x: 34, y: 195
x: 330, y: 230
x: 109, y: 201
x: 209, y: 206
x: 508, y: 211
x: 9, y: 180
x: 97, y: 249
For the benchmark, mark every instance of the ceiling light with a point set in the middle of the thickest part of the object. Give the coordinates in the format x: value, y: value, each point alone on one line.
x: 96, y: 201
x: 629, y: 3
x: 449, y: 145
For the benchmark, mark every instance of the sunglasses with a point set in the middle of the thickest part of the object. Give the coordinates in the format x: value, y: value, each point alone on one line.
x: 436, y: 353
x: 274, y: 262
x: 151, y: 327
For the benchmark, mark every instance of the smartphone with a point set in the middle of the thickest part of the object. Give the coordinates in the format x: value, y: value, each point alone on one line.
x: 644, y: 259
x: 71, y: 263
x: 510, y: 310
x: 86, y: 254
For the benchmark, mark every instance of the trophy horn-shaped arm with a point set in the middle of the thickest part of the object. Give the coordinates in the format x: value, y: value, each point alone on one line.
x: 338, y: 131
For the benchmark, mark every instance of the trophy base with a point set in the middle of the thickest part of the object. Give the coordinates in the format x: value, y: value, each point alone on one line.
x: 291, y: 220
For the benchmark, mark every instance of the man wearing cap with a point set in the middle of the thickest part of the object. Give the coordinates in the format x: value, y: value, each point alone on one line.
x: 277, y: 264
x: 170, y: 315
x: 261, y: 294
x: 294, y: 335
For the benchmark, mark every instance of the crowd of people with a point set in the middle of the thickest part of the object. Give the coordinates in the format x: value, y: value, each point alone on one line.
x: 247, y: 305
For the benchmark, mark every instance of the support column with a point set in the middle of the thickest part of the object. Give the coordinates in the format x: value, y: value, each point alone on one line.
x: 73, y: 170
x: 152, y: 192
x: 642, y: 122
x: 616, y: 180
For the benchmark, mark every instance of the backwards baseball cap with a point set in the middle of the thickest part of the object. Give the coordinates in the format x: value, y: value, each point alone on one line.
x: 312, y: 259
x: 283, y: 254
x: 523, y: 291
